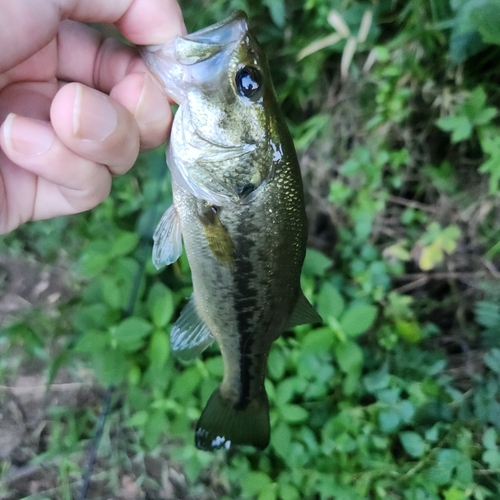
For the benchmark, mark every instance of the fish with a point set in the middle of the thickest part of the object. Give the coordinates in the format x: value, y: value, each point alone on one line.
x: 238, y: 209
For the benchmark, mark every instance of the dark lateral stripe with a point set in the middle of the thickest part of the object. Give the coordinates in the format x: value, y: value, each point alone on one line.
x: 245, y: 302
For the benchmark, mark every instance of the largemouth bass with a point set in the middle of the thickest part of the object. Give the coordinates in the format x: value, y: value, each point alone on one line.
x: 239, y: 208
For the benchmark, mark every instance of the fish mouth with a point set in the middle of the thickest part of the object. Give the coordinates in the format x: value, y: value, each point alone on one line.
x: 196, y: 58
x: 230, y: 30
x: 208, y: 42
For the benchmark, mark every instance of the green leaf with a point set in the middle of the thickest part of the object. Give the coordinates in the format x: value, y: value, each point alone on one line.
x: 358, y: 319
x: 406, y: 410
x: 487, y: 314
x: 159, y: 348
x: 129, y: 334
x: 288, y: 491
x: 449, y: 237
x: 449, y: 457
x: 92, y: 264
x: 464, y: 471
x: 464, y: 44
x: 377, y: 380
x: 409, y: 330
x: 111, y: 293
x: 293, y: 414
x: 281, y: 438
x: 431, y: 256
x: 285, y: 391
x: 124, y: 244
x: 154, y: 428
x: 492, y: 360
x: 454, y: 493
x: 330, y: 302
x: 474, y: 103
x: 349, y: 356
x: 492, y: 458
x: 276, y: 363
x: 161, y: 305
x: 388, y: 421
x: 319, y: 340
x: 345, y: 442
x: 268, y: 493
x: 309, y: 130
x: 186, y: 383
x: 485, y: 116
x: 490, y: 439
x: 315, y: 263
x: 413, y: 443
x: 215, y: 366
x: 459, y: 126
x: 277, y: 11
x: 491, y: 166
x: 486, y: 19
x: 134, y: 374
x: 138, y: 419
x: 439, y: 474
x: 92, y: 341
x: 254, y: 482
x: 110, y: 366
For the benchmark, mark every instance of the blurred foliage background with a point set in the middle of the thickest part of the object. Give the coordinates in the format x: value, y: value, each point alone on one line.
x: 393, y: 106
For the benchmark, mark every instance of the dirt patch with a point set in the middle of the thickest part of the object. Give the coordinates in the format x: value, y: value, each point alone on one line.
x: 25, y: 283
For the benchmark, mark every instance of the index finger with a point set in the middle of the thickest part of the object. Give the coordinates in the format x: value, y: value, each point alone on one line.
x: 143, y: 22
x: 28, y: 26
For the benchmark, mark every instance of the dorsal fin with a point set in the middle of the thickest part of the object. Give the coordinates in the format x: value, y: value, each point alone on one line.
x: 303, y: 313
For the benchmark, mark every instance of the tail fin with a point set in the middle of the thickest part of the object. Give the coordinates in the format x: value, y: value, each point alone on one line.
x: 221, y: 425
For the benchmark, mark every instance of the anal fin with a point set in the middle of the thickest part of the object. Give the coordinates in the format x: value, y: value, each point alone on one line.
x: 190, y: 336
x: 303, y: 313
x: 167, y: 238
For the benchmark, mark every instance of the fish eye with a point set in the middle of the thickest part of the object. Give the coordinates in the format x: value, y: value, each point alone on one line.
x: 248, y: 81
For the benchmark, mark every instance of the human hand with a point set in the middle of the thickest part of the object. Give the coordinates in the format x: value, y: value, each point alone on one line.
x: 62, y: 142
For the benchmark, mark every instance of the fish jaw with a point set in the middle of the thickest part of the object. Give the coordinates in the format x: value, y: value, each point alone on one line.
x: 197, y: 59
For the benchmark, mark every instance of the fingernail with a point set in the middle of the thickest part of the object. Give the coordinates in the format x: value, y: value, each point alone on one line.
x: 27, y: 136
x: 94, y: 117
x: 148, y: 108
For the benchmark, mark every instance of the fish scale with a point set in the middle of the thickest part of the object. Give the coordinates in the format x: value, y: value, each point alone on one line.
x: 239, y: 206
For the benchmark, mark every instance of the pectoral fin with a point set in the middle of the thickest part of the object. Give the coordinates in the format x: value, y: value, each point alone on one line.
x: 303, y: 313
x: 167, y: 238
x: 190, y: 336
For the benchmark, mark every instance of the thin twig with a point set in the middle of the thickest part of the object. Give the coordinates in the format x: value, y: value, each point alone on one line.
x: 427, y: 457
x: 70, y: 386
x: 493, y: 270
x: 94, y: 444
x: 444, y: 275
x: 398, y: 200
x: 412, y: 285
x: 485, y: 472
x: 419, y: 279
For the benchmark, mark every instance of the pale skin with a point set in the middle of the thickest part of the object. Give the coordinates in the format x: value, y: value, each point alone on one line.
x: 75, y: 108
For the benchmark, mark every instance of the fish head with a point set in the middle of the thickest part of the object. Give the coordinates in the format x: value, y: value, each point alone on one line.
x: 220, y: 78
